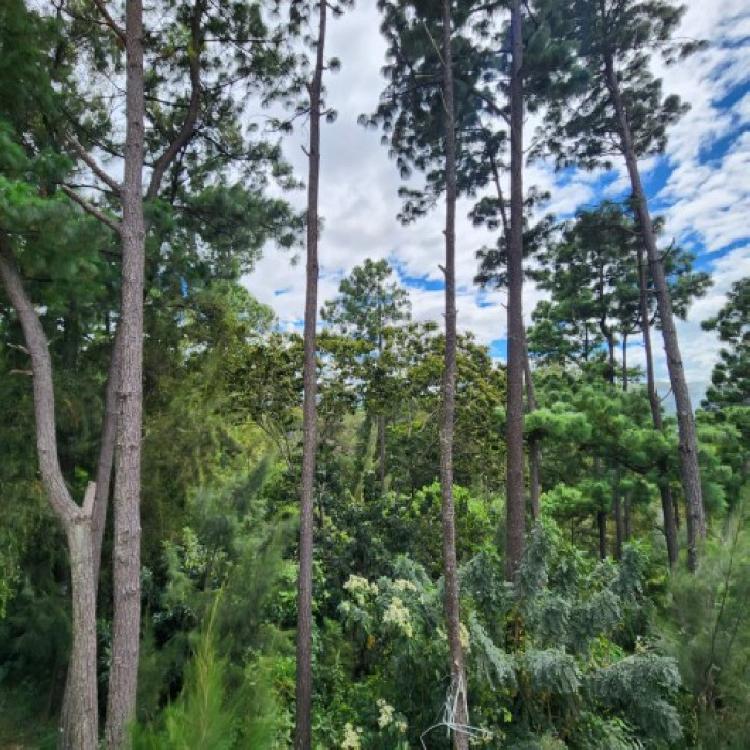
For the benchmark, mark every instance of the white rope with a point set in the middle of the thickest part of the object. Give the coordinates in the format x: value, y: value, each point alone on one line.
x: 449, y: 714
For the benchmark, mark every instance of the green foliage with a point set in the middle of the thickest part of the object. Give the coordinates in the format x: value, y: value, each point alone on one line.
x: 562, y: 654
x: 731, y: 376
x: 208, y: 711
x: 706, y: 625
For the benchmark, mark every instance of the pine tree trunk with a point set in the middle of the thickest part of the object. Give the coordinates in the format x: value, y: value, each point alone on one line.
x: 690, y: 471
x: 625, y: 362
x: 535, y: 450
x: 619, y: 521
x: 303, y: 710
x: 601, y: 524
x: 381, y: 452
x: 80, y: 717
x: 665, y: 492
x: 123, y: 677
x: 628, y: 518
x: 515, y: 514
x: 107, y: 442
x: 99, y: 515
x: 458, y: 694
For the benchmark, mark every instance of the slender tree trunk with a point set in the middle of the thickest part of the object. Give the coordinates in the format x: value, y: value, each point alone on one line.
x: 381, y: 451
x: 107, y: 443
x: 98, y: 516
x: 665, y: 492
x: 458, y: 692
x: 628, y: 519
x: 601, y: 524
x: 123, y: 677
x: 619, y: 521
x: 81, y: 716
x: 303, y: 712
x: 625, y: 361
x: 535, y: 450
x: 515, y: 515
x: 80, y: 723
x: 691, y: 479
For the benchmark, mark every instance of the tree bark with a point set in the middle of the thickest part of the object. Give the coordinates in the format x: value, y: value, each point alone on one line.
x: 628, y: 518
x: 82, y: 709
x: 665, y: 492
x: 535, y: 450
x: 98, y: 516
x: 619, y: 521
x: 303, y: 711
x: 515, y: 515
x: 381, y: 451
x: 601, y: 523
x: 458, y: 690
x: 123, y: 675
x: 107, y: 444
x: 690, y: 470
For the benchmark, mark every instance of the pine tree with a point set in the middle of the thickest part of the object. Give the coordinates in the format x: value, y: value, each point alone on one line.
x: 731, y: 376
x: 368, y: 304
x: 622, y: 112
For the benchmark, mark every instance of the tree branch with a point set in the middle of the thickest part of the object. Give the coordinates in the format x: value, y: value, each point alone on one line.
x: 188, y: 125
x: 44, y: 394
x: 89, y: 208
x: 119, y: 30
x: 94, y: 166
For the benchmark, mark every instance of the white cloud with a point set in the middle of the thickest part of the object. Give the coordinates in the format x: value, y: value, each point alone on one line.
x: 706, y: 196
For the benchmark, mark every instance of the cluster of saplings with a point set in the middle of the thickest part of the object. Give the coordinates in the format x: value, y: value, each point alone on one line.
x: 373, y: 535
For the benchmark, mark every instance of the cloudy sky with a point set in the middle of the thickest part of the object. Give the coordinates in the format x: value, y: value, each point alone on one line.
x: 701, y: 185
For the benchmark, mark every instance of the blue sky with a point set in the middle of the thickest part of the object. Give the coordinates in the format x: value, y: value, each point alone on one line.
x: 701, y: 185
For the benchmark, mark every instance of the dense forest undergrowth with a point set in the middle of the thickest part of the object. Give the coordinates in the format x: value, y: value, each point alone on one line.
x: 371, y: 533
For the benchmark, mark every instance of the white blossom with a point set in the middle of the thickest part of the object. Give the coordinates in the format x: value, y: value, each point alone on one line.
x: 351, y: 739
x: 397, y: 614
x: 386, y: 713
x: 401, y: 584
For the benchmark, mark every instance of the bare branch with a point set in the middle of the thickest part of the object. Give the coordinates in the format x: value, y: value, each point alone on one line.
x: 118, y: 30
x: 89, y: 208
x: 187, y: 130
x: 94, y: 166
x: 44, y: 394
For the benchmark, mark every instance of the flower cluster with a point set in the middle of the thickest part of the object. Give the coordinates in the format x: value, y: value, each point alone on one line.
x: 351, y: 740
x: 397, y: 614
x: 463, y: 635
x: 359, y: 588
x: 401, y: 584
x: 386, y: 713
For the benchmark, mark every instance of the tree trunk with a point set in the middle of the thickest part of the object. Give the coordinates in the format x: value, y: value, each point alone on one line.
x: 619, y: 521
x: 691, y: 479
x: 628, y: 518
x: 99, y: 512
x: 458, y: 691
x: 665, y: 492
x: 81, y: 717
x: 601, y: 523
x: 80, y: 709
x: 624, y: 361
x: 123, y: 677
x: 515, y: 515
x: 535, y: 450
x: 107, y: 443
x: 381, y: 451
x: 303, y: 710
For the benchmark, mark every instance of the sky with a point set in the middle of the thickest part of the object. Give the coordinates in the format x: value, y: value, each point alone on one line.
x: 701, y: 185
